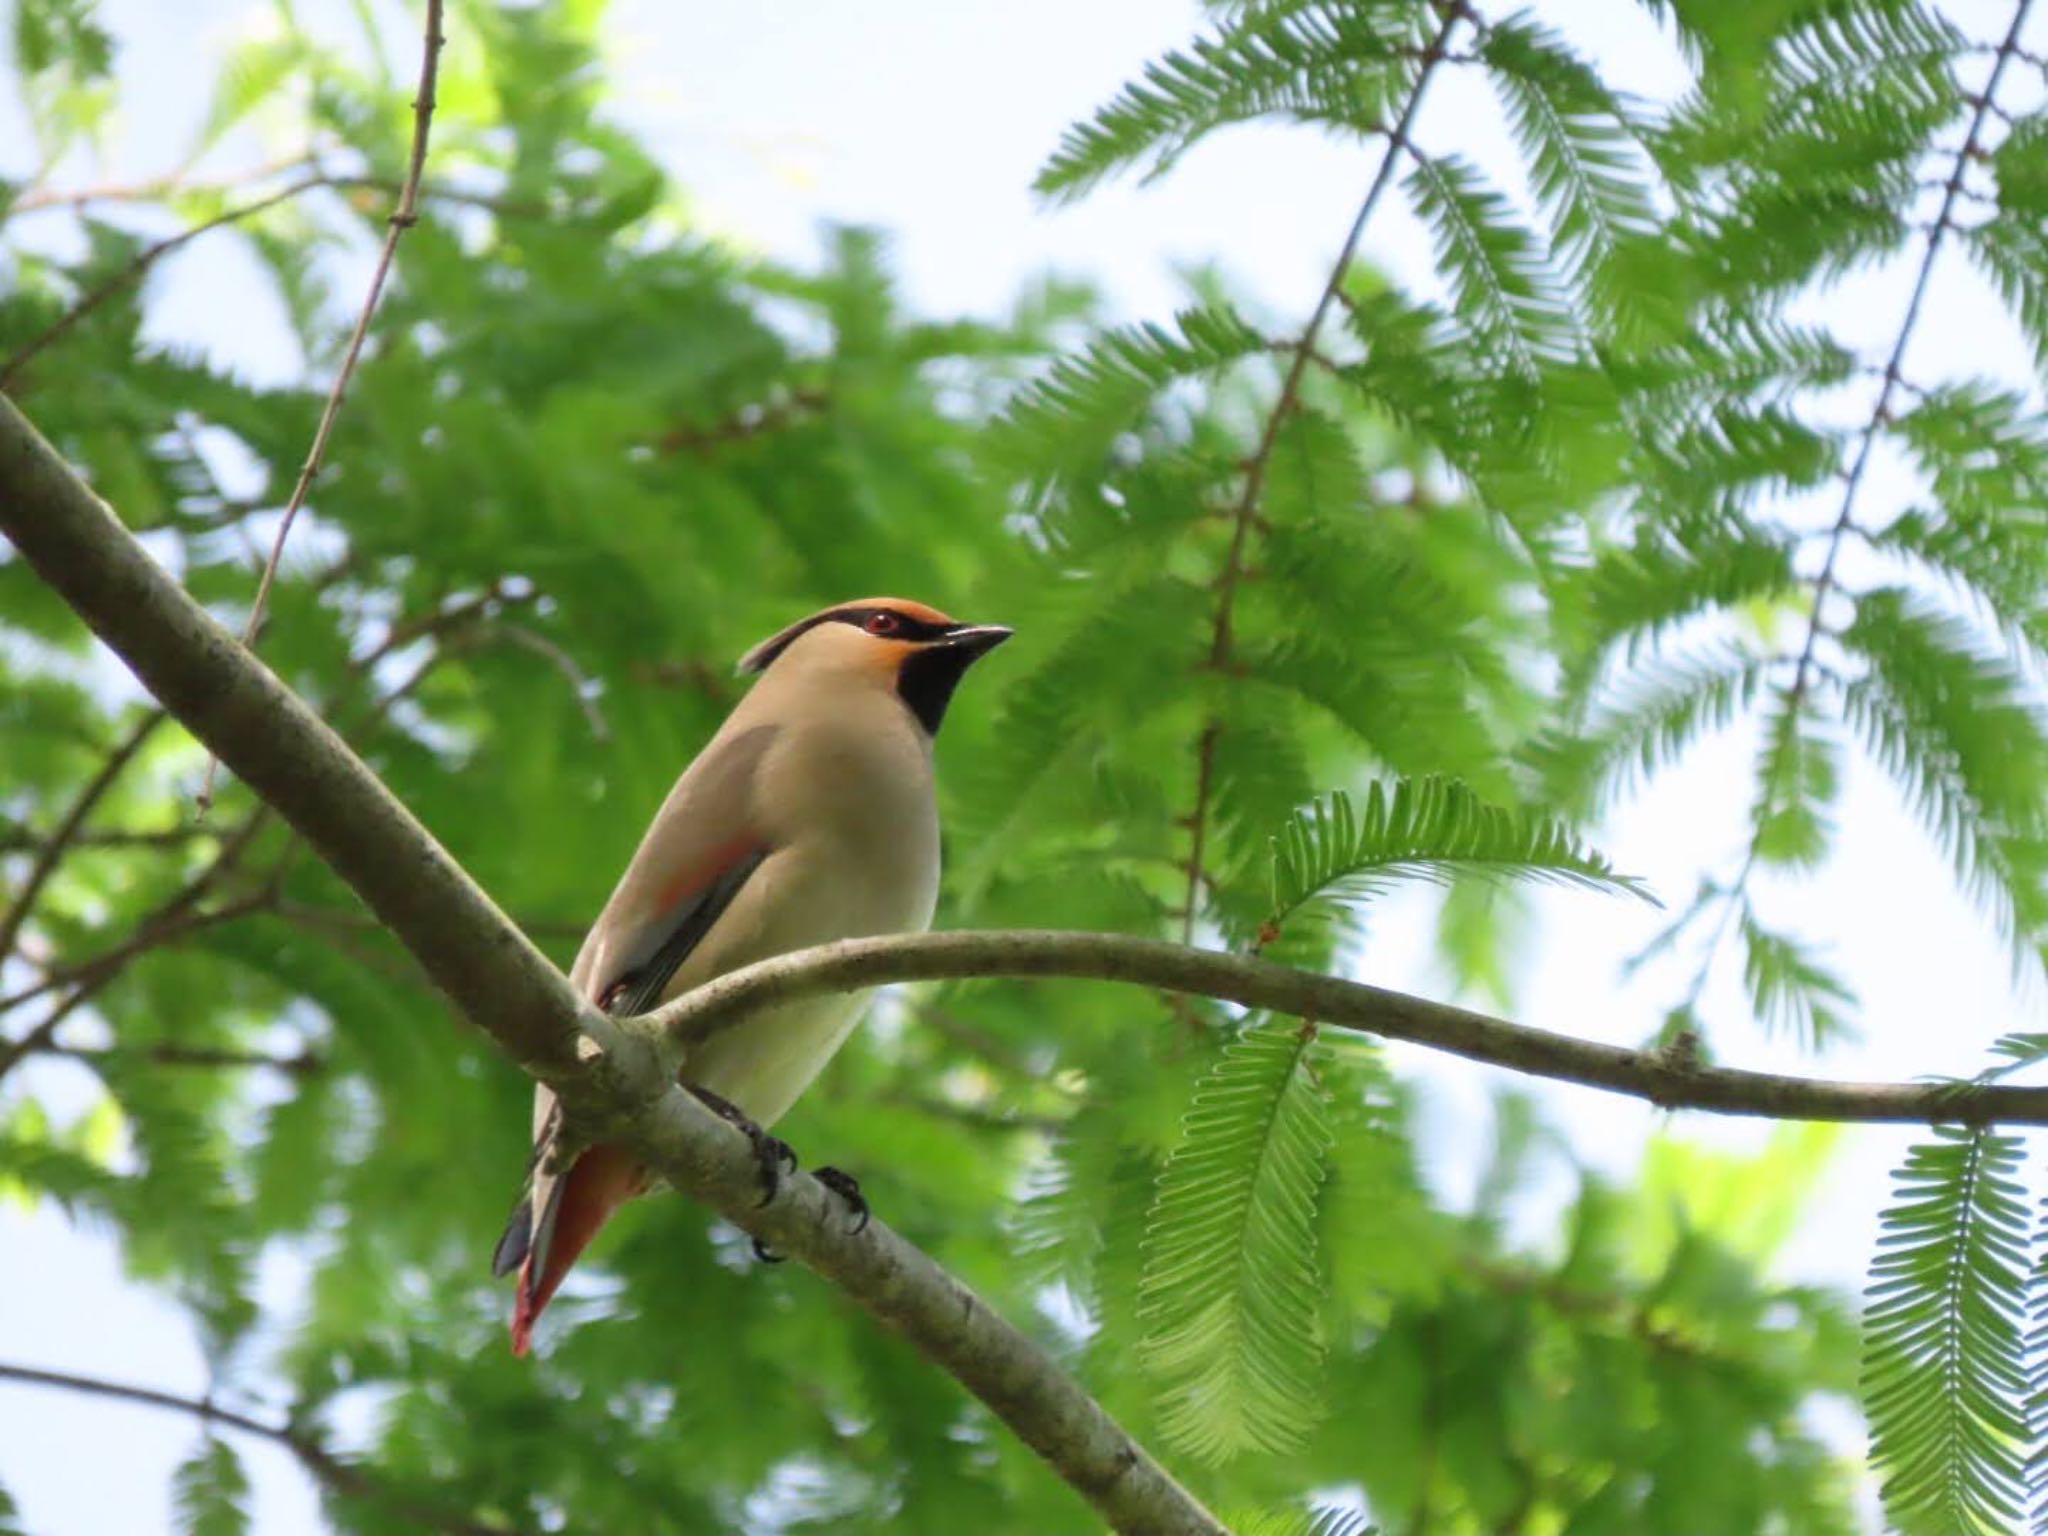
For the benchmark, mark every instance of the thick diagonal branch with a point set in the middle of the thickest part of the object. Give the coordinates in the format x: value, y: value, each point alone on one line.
x: 505, y: 986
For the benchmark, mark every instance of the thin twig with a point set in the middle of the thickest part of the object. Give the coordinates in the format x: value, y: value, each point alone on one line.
x: 348, y: 1478
x: 156, y: 190
x: 748, y: 422
x: 142, y: 261
x: 21, y: 839
x: 402, y: 219
x: 178, y: 916
x: 93, y: 976
x: 581, y: 686
x: 1222, y: 634
x: 1891, y: 381
x: 52, y: 852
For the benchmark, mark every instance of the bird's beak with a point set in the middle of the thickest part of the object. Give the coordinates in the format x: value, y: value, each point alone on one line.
x: 975, y: 640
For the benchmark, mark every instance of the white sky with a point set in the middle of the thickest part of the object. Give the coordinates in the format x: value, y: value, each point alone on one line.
x: 927, y: 118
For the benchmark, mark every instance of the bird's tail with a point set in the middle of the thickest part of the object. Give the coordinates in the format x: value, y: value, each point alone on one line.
x: 600, y: 1181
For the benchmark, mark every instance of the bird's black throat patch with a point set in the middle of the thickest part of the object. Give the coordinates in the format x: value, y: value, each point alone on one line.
x: 927, y: 678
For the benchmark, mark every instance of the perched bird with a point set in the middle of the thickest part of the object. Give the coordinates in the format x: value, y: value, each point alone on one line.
x: 809, y: 817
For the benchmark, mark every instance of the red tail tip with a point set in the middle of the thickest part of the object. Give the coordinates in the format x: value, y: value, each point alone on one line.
x: 523, y: 1314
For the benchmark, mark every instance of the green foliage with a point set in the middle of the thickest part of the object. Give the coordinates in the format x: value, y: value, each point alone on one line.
x: 211, y: 1491
x: 1943, y: 1373
x: 1790, y: 988
x: 1963, y: 737
x: 1426, y: 828
x: 1309, y: 61
x: 1228, y: 1297
x: 1503, y: 285
x: 1509, y: 548
x: 1583, y: 150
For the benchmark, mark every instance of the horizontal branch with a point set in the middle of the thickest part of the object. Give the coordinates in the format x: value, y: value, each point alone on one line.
x: 210, y: 1058
x: 344, y: 1477
x: 505, y: 986
x: 1665, y: 1079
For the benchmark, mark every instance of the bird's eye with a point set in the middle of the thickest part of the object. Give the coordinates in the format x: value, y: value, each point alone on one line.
x: 882, y: 624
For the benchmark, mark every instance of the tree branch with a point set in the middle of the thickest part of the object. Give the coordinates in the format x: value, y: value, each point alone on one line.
x: 749, y: 421
x: 52, y: 852
x: 1245, y: 514
x: 17, y: 838
x: 344, y: 1477
x: 608, y: 1081
x: 212, y: 1058
x: 1665, y: 1080
x: 143, y: 260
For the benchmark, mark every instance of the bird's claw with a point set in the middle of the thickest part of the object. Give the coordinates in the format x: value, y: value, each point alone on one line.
x: 847, y: 1188
x: 764, y: 1253
x: 774, y: 1155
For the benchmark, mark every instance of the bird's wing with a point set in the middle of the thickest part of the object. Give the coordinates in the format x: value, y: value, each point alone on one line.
x: 694, y: 860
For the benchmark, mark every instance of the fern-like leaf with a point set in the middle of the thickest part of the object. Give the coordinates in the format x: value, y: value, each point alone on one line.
x: 1067, y: 421
x: 1303, y: 60
x: 211, y: 1491
x: 1428, y: 829
x: 1791, y: 988
x: 1959, y: 733
x: 1302, y: 1522
x: 1944, y: 1375
x: 1587, y: 169
x: 1502, y: 281
x: 1797, y: 780
x: 1231, y: 1294
x: 1646, y: 722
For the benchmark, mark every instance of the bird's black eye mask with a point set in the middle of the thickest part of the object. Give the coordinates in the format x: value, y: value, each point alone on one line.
x: 884, y: 623
x: 892, y: 624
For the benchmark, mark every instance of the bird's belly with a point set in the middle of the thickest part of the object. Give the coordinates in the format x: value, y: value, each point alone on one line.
x: 763, y: 1064
x: 799, y: 897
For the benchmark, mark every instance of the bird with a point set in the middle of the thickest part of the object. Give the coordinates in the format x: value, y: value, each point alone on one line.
x: 810, y: 816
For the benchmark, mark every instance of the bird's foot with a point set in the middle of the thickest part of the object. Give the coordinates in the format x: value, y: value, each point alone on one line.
x: 772, y: 1153
x: 847, y: 1188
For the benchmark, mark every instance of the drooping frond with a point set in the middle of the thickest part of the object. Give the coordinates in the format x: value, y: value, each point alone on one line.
x: 1585, y: 164
x: 1943, y: 1370
x: 211, y: 1491
x: 1428, y: 829
x: 1231, y: 1293
x: 1636, y: 595
x: 1304, y: 60
x: 1645, y: 723
x: 1502, y: 283
x: 1067, y: 420
x: 1959, y: 732
x: 1797, y: 780
x: 1790, y: 988
x: 1986, y: 529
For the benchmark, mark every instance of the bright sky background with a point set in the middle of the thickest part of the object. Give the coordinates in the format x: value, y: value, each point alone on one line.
x: 927, y: 118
